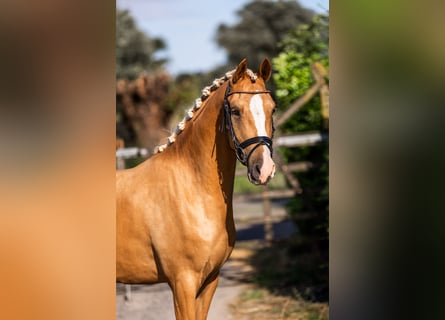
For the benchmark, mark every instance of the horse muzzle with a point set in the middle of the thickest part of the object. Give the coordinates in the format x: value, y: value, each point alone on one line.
x: 262, y: 169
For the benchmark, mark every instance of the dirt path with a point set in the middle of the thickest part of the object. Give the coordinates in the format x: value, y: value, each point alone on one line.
x: 155, y: 301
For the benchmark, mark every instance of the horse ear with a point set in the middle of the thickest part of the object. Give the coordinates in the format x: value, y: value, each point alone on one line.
x: 265, y: 69
x: 240, y: 70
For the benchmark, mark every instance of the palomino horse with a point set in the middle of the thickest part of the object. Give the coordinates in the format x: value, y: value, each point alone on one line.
x: 174, y: 211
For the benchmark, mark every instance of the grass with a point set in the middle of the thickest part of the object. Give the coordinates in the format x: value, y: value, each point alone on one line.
x: 261, y: 304
x: 252, y: 294
x: 287, y: 283
x: 133, y: 162
x: 243, y: 185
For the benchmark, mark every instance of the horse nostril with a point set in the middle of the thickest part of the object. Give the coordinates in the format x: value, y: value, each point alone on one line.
x: 258, y: 169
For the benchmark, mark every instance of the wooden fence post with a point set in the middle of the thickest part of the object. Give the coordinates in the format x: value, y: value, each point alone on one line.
x: 294, y: 107
x: 120, y: 161
x: 320, y: 74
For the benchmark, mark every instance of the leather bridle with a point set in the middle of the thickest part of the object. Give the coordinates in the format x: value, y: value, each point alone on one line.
x: 241, y: 154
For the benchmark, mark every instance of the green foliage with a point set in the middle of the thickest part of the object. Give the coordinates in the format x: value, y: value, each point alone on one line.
x: 262, y: 25
x: 293, y: 77
x: 135, y: 51
x: 310, y: 39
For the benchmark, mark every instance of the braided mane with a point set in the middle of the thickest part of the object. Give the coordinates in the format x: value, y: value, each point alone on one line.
x: 218, y: 82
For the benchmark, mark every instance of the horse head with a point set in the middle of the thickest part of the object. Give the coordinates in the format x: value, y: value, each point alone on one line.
x: 248, y: 111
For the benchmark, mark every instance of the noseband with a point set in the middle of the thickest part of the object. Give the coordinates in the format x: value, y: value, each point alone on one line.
x: 241, y: 154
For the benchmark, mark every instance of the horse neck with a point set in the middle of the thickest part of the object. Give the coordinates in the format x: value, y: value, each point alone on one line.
x: 206, y: 146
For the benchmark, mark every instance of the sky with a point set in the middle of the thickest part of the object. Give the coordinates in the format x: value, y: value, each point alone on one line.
x: 189, y: 28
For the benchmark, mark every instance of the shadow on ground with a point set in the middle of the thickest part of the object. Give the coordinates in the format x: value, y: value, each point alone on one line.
x: 287, y: 266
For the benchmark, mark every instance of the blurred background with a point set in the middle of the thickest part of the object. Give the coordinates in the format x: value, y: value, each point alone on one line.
x: 58, y: 158
x: 166, y: 52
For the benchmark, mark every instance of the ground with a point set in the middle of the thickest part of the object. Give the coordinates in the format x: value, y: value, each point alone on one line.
x: 236, y: 296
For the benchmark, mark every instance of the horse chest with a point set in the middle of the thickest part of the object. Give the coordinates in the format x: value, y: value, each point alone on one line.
x: 199, y: 237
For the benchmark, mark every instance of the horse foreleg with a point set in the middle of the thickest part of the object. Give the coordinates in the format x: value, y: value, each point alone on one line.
x: 205, y: 298
x: 184, y: 295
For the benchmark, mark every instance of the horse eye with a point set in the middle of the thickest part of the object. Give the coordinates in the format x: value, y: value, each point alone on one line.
x: 235, y: 112
x: 274, y: 110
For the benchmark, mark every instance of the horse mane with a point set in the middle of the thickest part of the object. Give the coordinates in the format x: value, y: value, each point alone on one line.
x: 206, y: 92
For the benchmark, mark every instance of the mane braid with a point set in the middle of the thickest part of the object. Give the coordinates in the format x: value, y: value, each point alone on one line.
x: 251, y: 75
x: 198, y: 102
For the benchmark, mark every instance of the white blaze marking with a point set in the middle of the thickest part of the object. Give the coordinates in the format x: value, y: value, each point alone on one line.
x: 257, y: 110
x: 256, y: 107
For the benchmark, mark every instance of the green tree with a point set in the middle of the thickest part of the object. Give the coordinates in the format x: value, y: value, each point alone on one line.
x: 135, y: 51
x: 262, y: 26
x: 301, y: 48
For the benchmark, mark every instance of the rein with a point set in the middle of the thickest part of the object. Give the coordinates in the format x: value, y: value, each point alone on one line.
x: 241, y: 154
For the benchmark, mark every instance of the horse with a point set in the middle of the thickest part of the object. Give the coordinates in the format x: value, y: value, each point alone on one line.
x: 174, y: 214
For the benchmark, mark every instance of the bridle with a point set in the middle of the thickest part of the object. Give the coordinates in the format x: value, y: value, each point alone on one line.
x: 239, y: 147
